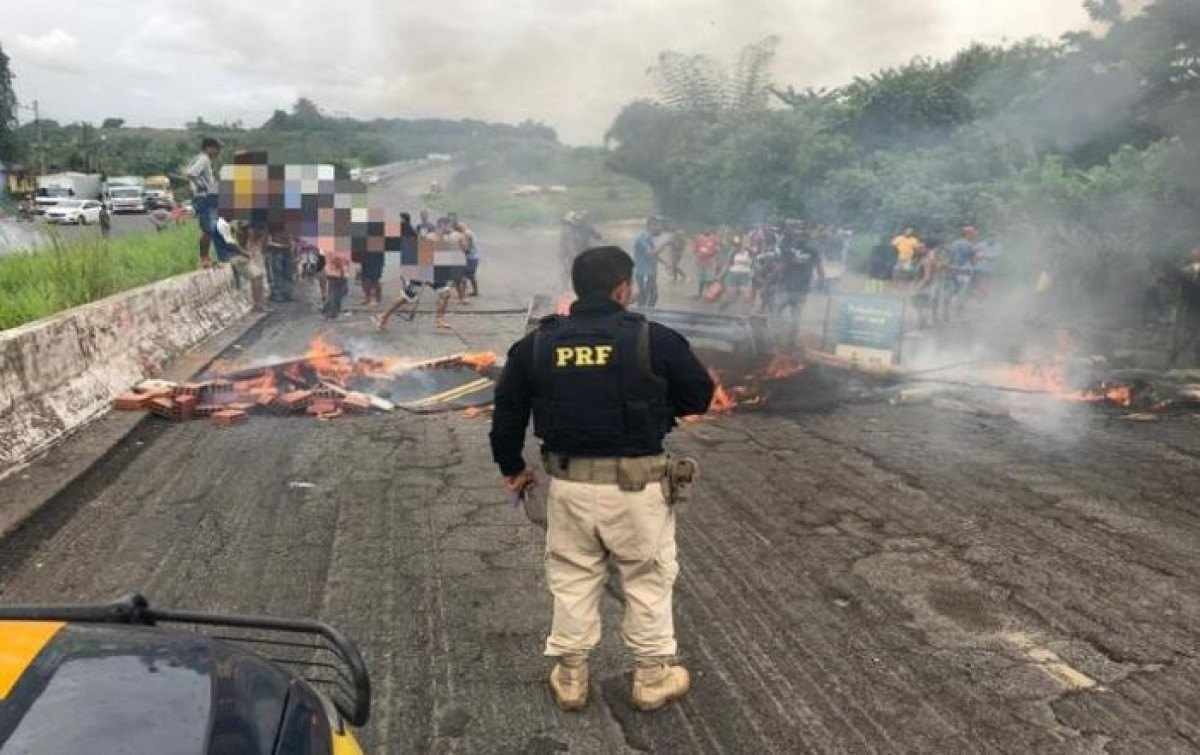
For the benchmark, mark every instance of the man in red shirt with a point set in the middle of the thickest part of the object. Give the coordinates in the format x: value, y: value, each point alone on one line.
x: 705, y: 247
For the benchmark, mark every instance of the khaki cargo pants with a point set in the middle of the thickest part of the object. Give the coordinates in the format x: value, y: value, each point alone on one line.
x: 588, y: 524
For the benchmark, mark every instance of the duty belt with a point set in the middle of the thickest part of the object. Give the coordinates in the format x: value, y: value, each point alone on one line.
x: 627, y: 472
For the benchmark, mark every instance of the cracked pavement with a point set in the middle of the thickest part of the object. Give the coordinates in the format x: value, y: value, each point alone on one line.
x: 871, y: 577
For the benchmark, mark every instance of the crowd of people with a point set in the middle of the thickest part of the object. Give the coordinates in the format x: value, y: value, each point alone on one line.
x: 449, y: 281
x: 763, y: 269
x: 272, y: 259
x: 941, y: 277
x: 770, y: 269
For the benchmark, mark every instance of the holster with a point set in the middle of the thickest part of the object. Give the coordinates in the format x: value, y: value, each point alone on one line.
x: 635, y: 473
x: 677, y: 481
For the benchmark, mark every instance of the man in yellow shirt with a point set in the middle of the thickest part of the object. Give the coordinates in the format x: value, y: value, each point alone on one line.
x: 906, y: 246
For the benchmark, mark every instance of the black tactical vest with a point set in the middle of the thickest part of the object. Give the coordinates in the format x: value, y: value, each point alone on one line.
x: 596, y: 393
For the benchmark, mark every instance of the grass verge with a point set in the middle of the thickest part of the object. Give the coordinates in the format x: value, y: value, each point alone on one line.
x: 67, y: 273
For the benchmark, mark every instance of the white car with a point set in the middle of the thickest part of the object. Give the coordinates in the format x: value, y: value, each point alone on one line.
x: 75, y: 211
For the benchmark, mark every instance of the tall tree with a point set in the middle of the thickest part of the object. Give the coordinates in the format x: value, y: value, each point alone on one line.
x: 8, y: 112
x: 752, y: 75
x: 306, y: 113
x: 698, y: 83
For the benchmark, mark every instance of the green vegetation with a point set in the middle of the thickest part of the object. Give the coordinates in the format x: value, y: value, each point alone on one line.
x: 1085, y: 151
x: 8, y: 112
x: 484, y: 190
x: 68, y: 273
x: 303, y: 136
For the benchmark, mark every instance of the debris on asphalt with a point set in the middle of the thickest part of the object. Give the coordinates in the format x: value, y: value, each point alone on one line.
x: 131, y: 401
x: 325, y: 383
x: 229, y: 417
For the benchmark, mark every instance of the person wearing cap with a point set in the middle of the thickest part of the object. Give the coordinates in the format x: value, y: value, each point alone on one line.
x: 604, y: 387
x: 203, y: 182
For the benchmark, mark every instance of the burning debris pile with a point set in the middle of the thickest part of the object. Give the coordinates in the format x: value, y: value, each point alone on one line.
x: 325, y: 383
x: 753, y: 388
x: 1055, y: 379
x: 1085, y: 382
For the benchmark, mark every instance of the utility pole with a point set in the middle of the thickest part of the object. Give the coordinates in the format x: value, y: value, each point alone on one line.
x: 37, y: 122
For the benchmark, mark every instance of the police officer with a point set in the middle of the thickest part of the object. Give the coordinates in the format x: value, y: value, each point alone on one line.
x: 604, y: 387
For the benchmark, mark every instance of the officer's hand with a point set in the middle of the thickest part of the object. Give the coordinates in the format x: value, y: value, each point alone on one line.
x: 517, y: 484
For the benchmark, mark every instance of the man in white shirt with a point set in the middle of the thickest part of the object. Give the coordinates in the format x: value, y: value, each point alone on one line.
x: 204, y: 193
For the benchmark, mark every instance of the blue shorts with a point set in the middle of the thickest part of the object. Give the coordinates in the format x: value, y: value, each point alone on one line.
x: 205, y: 208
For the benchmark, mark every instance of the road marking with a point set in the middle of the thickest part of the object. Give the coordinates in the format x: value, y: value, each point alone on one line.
x: 1049, y: 662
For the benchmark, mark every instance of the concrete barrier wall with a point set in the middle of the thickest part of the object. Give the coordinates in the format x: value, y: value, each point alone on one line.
x: 62, y: 371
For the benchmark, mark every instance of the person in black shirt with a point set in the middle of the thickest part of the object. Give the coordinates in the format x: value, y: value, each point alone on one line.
x: 604, y: 386
x: 799, y: 259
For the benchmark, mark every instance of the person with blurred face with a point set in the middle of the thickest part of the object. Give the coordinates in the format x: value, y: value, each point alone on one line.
x: 409, y: 289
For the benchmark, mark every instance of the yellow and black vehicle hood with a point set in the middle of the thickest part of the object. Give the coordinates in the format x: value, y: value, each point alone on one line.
x: 92, y: 686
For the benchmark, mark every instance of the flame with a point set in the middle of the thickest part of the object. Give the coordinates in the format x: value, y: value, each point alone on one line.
x: 1116, y: 394
x: 1031, y: 376
x: 562, y: 306
x: 782, y: 366
x: 319, y: 349
x: 329, y: 361
x: 722, y: 401
x: 326, y: 372
x: 1052, y: 379
x: 479, y: 360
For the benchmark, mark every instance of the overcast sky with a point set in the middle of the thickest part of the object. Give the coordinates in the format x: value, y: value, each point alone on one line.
x: 570, y: 64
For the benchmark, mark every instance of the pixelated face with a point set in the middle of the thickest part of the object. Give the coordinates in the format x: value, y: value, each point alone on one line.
x: 317, y: 206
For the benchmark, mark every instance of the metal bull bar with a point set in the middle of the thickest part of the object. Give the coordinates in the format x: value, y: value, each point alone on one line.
x: 743, y: 340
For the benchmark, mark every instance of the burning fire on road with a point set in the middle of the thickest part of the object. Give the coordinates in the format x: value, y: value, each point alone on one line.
x: 325, y: 383
x: 1053, y: 379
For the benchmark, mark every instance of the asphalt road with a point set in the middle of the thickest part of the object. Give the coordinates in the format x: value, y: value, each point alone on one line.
x: 969, y: 573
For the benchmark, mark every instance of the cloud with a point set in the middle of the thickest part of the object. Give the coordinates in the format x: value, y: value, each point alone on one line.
x: 56, y: 50
x: 572, y: 66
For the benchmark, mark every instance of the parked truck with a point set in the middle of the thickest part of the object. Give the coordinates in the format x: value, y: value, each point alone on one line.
x: 158, y: 193
x: 54, y: 187
x: 126, y: 194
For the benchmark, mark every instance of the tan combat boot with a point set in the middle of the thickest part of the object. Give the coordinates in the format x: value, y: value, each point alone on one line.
x: 656, y: 682
x: 569, y: 682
